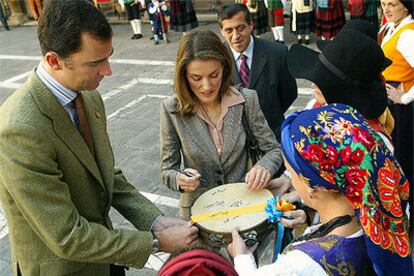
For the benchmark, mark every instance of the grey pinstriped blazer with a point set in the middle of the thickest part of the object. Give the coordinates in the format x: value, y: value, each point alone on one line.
x: 186, y: 142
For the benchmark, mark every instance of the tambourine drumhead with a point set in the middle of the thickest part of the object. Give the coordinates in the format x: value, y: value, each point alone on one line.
x: 227, y: 197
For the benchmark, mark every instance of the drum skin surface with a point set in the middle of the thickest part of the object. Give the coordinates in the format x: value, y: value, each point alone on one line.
x: 230, y: 196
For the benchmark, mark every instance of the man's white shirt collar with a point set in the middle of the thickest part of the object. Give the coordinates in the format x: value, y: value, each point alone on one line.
x: 248, y: 52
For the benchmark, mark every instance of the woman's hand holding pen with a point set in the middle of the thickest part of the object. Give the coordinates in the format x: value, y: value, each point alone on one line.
x: 188, y: 180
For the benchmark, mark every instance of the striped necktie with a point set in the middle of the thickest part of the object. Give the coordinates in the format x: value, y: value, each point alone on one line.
x: 83, y: 126
x: 244, y: 71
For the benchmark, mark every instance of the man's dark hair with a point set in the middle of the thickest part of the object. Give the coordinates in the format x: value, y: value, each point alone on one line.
x: 230, y: 10
x: 62, y: 22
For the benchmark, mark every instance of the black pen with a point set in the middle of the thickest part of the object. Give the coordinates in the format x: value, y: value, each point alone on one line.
x: 190, y: 175
x: 288, y: 217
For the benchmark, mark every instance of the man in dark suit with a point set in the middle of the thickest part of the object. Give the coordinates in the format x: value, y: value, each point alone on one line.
x: 57, y: 175
x: 259, y: 64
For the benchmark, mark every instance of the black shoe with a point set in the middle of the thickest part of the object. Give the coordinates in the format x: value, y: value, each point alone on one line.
x: 134, y: 36
x: 156, y: 42
x: 307, y: 41
x: 300, y: 41
x: 281, y: 42
x: 152, y: 37
x: 138, y: 36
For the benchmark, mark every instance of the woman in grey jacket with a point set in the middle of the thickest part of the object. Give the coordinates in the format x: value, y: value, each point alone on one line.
x: 201, y: 126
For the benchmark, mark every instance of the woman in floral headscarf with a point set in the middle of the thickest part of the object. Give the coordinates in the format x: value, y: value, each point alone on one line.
x: 341, y: 167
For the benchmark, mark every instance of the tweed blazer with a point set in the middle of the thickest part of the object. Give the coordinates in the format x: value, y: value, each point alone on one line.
x: 270, y: 77
x: 56, y: 197
x: 186, y: 142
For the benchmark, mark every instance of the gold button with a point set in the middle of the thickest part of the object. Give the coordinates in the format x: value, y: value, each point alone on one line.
x: 97, y: 115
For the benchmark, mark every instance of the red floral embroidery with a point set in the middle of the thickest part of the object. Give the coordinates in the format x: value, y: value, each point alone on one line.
x: 377, y: 192
x: 354, y: 194
x: 387, y: 187
x: 331, y: 155
x: 356, y: 177
x: 330, y: 177
x: 386, y: 240
x: 363, y: 136
x: 401, y: 245
x: 350, y: 158
x: 404, y: 190
x: 395, y: 241
x: 314, y: 153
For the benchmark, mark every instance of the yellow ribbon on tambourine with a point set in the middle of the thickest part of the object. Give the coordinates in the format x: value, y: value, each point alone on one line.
x: 281, y: 205
x: 229, y: 213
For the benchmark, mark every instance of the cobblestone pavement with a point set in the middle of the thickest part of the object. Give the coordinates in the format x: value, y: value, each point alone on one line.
x: 142, y: 76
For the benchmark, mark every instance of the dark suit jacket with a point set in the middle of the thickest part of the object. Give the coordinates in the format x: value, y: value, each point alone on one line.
x: 57, y: 197
x: 270, y: 77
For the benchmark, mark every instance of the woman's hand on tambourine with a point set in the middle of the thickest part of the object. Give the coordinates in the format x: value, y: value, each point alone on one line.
x: 257, y: 178
x: 394, y: 94
x: 237, y: 246
x: 293, y: 218
x: 190, y: 181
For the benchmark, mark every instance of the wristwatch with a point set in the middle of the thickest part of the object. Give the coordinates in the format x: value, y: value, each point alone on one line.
x: 155, y: 243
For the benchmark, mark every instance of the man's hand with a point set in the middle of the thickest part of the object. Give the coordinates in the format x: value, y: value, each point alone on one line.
x: 257, y: 178
x: 177, y: 237
x: 237, y: 246
x: 298, y: 218
x: 189, y: 183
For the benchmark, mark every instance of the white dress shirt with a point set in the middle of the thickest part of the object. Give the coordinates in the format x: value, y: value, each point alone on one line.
x: 248, y: 53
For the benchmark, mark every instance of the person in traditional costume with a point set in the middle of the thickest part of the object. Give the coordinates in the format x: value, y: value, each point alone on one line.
x: 341, y: 167
x: 276, y: 20
x: 329, y: 18
x: 259, y: 15
x: 396, y: 38
x: 302, y: 20
x: 158, y: 10
x: 183, y: 17
x: 342, y: 75
x: 134, y: 16
x: 369, y: 12
x: 385, y: 122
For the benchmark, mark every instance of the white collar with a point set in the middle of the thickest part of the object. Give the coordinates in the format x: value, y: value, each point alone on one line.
x: 391, y: 26
x: 248, y: 52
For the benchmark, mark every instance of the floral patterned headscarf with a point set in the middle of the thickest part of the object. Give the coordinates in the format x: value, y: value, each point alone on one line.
x: 334, y: 147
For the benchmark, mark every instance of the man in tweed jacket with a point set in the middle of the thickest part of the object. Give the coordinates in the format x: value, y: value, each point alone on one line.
x: 56, y: 191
